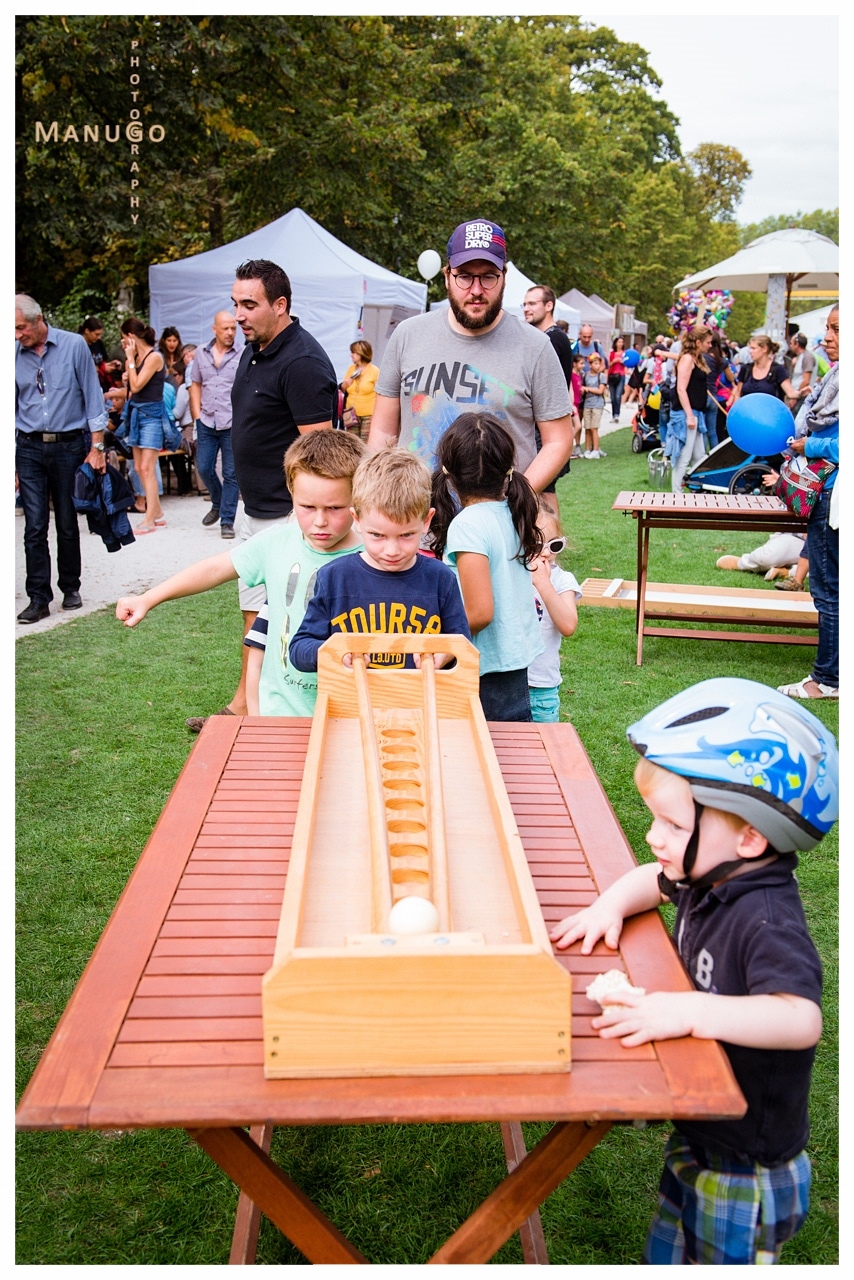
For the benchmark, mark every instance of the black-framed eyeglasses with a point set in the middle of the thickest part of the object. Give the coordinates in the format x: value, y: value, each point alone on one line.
x: 488, y: 280
x: 40, y: 380
x: 554, y: 546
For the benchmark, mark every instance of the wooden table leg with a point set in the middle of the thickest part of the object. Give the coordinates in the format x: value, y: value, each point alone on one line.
x: 276, y: 1195
x: 247, y: 1224
x: 557, y: 1154
x: 534, y: 1249
x: 643, y: 568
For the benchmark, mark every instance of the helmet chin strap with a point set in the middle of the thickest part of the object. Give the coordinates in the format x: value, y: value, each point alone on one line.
x: 711, y: 877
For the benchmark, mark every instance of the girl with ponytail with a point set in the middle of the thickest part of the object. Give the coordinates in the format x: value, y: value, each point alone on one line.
x: 485, y: 527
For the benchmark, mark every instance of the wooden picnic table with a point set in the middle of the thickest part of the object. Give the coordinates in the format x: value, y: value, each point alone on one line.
x: 759, y: 513
x: 164, y: 1027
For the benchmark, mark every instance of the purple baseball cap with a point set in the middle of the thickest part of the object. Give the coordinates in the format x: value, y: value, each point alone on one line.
x: 479, y: 238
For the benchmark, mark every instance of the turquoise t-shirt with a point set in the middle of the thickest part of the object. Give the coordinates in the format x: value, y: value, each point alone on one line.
x: 283, y: 561
x: 512, y: 640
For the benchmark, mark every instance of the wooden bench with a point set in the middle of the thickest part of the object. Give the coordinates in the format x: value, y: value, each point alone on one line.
x: 674, y: 600
x: 757, y: 513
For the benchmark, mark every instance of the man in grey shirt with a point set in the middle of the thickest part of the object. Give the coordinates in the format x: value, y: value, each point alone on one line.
x: 214, y: 367
x: 474, y: 356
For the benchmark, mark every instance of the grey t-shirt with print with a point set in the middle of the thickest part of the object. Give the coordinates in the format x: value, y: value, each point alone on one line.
x: 437, y: 374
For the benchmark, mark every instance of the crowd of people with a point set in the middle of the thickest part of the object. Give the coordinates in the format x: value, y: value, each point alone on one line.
x: 425, y: 514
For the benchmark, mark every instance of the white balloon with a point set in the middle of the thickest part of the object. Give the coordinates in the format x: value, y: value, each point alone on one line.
x: 429, y: 263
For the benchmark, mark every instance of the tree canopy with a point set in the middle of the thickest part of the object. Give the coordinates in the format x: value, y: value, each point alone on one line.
x: 387, y: 130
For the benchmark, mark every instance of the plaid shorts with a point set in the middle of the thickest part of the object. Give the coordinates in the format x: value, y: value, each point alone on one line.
x: 724, y: 1211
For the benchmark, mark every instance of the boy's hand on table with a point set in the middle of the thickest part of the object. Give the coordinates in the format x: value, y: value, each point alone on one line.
x: 130, y: 610
x: 594, y: 922
x: 635, y: 1019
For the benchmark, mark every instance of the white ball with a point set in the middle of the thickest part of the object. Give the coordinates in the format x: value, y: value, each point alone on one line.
x: 413, y: 915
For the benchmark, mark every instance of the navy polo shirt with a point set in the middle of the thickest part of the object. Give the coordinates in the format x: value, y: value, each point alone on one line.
x: 748, y: 936
x: 288, y: 385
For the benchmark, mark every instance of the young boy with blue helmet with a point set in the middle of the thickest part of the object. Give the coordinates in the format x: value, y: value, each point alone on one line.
x: 737, y: 778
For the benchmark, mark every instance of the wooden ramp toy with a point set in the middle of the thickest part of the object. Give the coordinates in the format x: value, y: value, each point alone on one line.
x: 677, y: 600
x: 403, y: 813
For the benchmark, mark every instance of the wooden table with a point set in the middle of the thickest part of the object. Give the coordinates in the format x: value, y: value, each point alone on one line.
x: 761, y: 514
x: 164, y: 1027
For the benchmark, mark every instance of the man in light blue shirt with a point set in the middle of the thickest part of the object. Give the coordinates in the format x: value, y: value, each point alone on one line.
x: 58, y: 406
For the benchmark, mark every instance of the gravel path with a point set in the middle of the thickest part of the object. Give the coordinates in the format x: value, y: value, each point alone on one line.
x: 109, y: 574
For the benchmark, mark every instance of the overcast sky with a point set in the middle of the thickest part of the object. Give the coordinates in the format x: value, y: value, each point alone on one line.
x: 766, y: 85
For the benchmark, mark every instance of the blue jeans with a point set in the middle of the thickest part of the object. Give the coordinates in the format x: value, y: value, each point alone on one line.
x: 616, y: 393
x: 224, y: 495
x: 663, y: 418
x: 45, y: 474
x: 711, y: 415
x: 504, y: 695
x: 823, y: 553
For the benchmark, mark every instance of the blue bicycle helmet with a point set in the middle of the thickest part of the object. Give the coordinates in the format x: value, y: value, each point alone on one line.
x: 749, y: 750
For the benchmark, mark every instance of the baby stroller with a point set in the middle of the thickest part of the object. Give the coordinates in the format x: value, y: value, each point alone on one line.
x: 645, y: 422
x: 728, y: 469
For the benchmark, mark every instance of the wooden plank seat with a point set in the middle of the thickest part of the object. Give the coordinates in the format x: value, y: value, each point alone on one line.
x: 681, y: 600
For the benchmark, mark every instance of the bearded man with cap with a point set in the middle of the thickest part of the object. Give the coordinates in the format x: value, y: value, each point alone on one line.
x: 474, y: 356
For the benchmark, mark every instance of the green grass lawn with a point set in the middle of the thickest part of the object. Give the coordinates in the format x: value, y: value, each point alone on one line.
x: 101, y: 740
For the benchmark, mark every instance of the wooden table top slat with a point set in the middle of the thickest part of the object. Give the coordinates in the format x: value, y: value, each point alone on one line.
x: 660, y: 500
x: 201, y: 1094
x: 182, y: 1043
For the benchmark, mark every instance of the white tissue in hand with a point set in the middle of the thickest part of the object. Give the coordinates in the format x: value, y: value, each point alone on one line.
x: 611, y: 983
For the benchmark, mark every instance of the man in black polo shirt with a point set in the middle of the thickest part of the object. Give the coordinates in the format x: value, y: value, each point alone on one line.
x: 539, y: 311
x: 285, y: 385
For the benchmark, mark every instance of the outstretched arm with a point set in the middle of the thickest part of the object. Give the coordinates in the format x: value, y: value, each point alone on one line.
x: 189, y: 582
x: 634, y: 892
x: 778, y: 1021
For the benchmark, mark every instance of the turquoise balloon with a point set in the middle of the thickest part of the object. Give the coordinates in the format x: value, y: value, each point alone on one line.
x: 760, y: 423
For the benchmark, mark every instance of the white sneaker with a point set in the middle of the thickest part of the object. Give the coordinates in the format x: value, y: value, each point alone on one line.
x: 601, y: 453
x: 589, y: 454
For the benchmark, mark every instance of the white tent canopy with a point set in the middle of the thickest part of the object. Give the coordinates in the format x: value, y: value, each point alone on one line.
x: 813, y: 323
x: 809, y: 261
x: 515, y: 289
x: 595, y: 312
x: 333, y: 287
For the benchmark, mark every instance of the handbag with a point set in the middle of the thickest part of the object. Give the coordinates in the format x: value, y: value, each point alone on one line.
x: 800, y: 483
x: 349, y: 419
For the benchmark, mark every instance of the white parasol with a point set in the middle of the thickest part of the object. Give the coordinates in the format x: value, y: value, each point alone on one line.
x: 784, y: 264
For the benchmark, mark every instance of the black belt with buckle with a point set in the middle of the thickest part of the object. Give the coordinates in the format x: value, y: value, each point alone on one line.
x: 51, y: 437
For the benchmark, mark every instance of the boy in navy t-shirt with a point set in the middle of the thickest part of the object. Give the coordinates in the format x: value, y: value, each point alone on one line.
x: 737, y: 779
x: 388, y: 587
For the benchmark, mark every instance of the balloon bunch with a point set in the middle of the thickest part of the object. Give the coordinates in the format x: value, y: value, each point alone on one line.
x: 695, y: 307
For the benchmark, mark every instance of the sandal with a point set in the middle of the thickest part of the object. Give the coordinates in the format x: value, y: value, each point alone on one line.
x: 145, y: 528
x: 800, y: 691
x: 196, y: 723
x: 161, y: 523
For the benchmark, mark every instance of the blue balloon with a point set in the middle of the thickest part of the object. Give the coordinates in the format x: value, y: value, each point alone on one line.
x: 760, y: 423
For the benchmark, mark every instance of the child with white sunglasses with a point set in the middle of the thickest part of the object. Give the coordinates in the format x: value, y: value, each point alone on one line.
x: 555, y: 593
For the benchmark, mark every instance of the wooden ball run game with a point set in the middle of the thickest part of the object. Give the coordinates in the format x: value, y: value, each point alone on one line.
x: 402, y: 799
